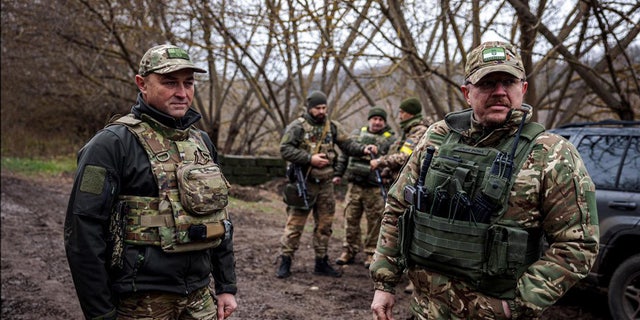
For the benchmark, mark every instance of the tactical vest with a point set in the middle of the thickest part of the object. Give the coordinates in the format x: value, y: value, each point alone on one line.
x: 359, y: 168
x: 460, y: 233
x: 190, y: 212
x: 312, y: 144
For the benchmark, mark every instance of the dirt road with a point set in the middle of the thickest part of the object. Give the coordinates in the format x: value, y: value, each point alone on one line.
x: 36, y: 283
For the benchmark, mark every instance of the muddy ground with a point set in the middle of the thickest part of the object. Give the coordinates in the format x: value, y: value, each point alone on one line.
x: 36, y: 283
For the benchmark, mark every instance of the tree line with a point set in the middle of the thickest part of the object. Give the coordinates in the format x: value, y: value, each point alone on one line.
x: 68, y: 65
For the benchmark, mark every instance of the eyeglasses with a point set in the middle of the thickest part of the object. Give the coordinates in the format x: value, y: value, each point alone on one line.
x: 490, y: 85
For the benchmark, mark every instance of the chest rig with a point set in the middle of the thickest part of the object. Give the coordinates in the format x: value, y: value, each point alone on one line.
x: 455, y: 220
x: 319, y: 139
x: 189, y: 213
x: 359, y: 168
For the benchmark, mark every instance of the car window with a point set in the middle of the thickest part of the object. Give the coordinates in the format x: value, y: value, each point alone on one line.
x: 630, y: 175
x: 602, y: 156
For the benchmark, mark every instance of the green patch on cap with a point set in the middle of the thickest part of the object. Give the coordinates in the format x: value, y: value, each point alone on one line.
x: 177, y: 53
x: 494, y: 54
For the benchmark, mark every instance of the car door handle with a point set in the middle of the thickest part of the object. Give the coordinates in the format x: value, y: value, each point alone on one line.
x: 622, y: 205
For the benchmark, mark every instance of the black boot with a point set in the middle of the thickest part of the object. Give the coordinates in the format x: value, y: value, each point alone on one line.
x: 324, y: 269
x: 284, y: 271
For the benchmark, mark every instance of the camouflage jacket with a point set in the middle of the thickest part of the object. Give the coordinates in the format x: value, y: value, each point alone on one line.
x: 294, y: 143
x: 399, y: 152
x: 117, y: 164
x: 552, y: 192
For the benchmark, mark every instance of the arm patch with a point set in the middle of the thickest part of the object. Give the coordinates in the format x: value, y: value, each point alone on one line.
x: 93, y: 179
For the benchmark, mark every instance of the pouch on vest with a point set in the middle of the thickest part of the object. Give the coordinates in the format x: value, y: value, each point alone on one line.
x: 203, y: 188
x: 292, y: 198
x: 506, y: 249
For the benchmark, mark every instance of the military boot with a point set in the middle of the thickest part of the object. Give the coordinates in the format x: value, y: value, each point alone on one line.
x: 324, y: 269
x: 284, y: 271
x: 347, y: 257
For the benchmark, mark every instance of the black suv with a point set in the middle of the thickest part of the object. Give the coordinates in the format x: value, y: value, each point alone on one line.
x: 611, y: 152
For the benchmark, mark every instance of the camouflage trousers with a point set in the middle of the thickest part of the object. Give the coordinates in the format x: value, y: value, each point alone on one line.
x: 439, y: 297
x: 367, y: 201
x: 323, y: 213
x: 199, y: 305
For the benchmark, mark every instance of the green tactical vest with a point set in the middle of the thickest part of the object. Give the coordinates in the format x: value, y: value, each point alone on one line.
x: 461, y: 234
x: 190, y: 212
x: 359, y: 168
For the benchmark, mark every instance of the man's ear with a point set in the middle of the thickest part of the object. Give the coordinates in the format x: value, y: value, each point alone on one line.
x: 465, y: 93
x: 141, y: 83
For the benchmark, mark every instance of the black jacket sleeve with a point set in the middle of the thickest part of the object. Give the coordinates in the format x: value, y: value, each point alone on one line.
x: 87, y: 222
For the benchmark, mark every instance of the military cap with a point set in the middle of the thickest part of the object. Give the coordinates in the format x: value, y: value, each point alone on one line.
x: 166, y: 58
x: 316, y: 98
x: 491, y: 57
x: 411, y: 105
x: 377, y: 111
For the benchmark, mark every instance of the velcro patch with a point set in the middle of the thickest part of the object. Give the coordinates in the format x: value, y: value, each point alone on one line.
x: 93, y: 179
x: 177, y: 53
x: 493, y: 54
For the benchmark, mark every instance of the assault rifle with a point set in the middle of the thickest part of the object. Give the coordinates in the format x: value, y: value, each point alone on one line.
x: 416, y: 196
x: 301, y: 184
x: 379, y: 180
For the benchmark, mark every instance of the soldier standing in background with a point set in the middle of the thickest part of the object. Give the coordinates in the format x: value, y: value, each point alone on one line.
x: 467, y: 214
x: 413, y: 127
x: 364, y: 190
x: 309, y: 144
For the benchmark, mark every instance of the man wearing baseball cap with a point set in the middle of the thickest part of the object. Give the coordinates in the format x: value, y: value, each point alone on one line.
x: 468, y: 212
x: 143, y: 234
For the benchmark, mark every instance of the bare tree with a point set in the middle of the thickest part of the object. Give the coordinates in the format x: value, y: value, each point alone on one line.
x: 264, y: 56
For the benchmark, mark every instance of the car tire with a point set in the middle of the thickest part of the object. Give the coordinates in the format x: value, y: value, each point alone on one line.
x: 624, y: 290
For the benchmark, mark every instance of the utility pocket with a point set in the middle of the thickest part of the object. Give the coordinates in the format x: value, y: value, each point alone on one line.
x: 203, y: 188
x: 506, y: 251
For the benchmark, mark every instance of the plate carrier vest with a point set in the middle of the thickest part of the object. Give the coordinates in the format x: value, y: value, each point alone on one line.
x: 190, y: 212
x: 358, y: 168
x: 449, y: 238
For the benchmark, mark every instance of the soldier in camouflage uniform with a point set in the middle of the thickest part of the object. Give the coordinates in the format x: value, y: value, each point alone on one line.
x: 470, y: 238
x: 364, y: 195
x: 413, y: 127
x: 309, y: 142
x: 143, y: 234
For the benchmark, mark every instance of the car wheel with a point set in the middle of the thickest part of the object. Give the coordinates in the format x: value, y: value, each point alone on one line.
x: 624, y: 290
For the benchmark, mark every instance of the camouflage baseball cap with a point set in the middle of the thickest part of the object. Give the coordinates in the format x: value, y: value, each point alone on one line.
x: 491, y: 57
x: 166, y: 58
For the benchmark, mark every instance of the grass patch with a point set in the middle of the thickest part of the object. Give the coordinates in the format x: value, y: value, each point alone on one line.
x: 40, y: 167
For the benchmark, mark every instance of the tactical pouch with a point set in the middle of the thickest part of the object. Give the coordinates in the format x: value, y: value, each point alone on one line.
x: 506, y: 251
x: 493, y: 187
x: 292, y: 198
x: 203, y: 188
x: 405, y: 235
